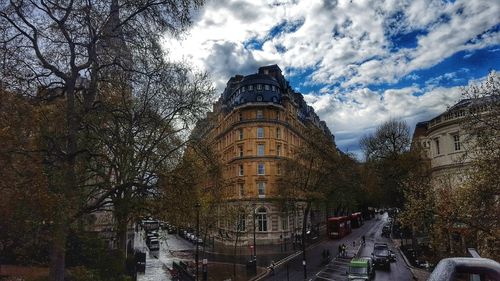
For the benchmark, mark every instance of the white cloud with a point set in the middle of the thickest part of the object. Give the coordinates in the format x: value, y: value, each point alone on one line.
x: 344, y: 43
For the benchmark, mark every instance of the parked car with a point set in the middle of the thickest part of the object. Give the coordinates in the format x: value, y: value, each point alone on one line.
x: 154, y: 244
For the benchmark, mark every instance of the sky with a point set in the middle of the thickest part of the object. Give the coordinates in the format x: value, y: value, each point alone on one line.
x: 358, y: 63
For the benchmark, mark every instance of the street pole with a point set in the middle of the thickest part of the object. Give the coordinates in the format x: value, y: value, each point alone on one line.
x: 197, y: 236
x: 254, y: 240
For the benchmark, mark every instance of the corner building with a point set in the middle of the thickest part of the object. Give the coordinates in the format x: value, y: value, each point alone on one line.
x: 257, y: 122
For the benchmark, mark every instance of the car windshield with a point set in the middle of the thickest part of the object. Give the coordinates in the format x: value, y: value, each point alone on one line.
x: 358, y: 270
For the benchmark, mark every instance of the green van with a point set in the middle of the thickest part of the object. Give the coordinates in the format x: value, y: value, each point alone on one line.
x: 360, y: 269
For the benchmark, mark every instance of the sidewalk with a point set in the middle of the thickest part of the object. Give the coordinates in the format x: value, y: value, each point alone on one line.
x: 418, y: 274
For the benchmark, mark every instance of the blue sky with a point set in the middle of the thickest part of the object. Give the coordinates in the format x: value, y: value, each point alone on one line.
x: 358, y: 63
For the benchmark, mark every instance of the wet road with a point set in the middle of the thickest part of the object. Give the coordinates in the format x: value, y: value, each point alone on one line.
x: 172, y: 248
x: 293, y: 270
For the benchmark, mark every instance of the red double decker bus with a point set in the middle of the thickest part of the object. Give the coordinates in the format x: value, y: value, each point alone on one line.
x: 356, y: 220
x: 338, y: 227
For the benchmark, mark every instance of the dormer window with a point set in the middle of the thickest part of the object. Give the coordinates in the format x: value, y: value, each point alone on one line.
x: 273, y: 88
x: 242, y: 89
x: 259, y: 98
x: 259, y: 87
x: 250, y: 87
x: 266, y: 87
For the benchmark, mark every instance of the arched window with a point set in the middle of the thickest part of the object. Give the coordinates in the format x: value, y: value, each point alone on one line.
x: 259, y: 98
x: 262, y: 219
x: 274, y: 99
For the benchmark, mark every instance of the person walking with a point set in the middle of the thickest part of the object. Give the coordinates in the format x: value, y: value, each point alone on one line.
x: 364, y: 241
x: 340, y: 250
x: 272, y: 267
x: 343, y: 250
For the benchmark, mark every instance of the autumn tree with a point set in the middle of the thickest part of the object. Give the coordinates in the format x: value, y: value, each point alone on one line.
x: 386, y: 154
x: 307, y: 176
x: 70, y: 50
x: 479, y: 197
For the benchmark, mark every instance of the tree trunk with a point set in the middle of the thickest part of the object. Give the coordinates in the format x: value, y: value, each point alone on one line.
x: 69, y: 188
x: 122, y: 235
x: 58, y: 253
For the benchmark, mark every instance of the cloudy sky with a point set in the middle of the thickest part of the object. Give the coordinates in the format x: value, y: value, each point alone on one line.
x: 357, y: 62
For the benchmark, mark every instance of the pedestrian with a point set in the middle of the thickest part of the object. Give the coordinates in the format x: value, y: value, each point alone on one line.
x: 354, y: 243
x: 343, y: 250
x: 340, y: 250
x: 328, y: 254
x: 364, y: 240
x: 272, y: 267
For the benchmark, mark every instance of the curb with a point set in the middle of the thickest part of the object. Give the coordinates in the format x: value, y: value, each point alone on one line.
x: 283, y: 261
x: 407, y: 263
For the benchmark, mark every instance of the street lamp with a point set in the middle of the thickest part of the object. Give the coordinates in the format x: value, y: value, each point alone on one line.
x: 254, y: 241
x: 197, y: 206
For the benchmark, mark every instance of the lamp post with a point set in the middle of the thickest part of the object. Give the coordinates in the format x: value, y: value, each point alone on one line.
x: 197, y: 206
x: 254, y: 240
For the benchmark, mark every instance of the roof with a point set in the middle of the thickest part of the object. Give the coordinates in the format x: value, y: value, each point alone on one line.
x: 359, y: 263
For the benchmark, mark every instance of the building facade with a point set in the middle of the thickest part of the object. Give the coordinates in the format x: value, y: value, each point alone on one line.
x: 450, y: 150
x: 257, y: 122
x: 442, y: 141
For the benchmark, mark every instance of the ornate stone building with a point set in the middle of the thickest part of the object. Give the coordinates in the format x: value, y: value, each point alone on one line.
x: 256, y: 123
x: 448, y: 148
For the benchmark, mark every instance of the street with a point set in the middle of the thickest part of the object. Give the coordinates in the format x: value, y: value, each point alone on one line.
x: 293, y: 270
x: 172, y: 248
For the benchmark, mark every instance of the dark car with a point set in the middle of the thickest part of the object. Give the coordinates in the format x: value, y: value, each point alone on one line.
x: 386, y: 230
x: 382, y: 255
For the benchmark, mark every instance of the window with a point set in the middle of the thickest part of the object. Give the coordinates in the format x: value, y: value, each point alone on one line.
x: 277, y: 115
x: 438, y: 150
x: 241, y: 116
x: 262, y: 219
x: 278, y: 150
x: 260, y: 115
x: 241, y: 223
x: 262, y: 188
x: 260, y: 132
x: 284, y: 223
x: 240, y: 148
x: 242, y: 89
x: 240, y: 172
x: 278, y: 169
x: 260, y: 150
x: 273, y: 88
x: 266, y: 87
x: 456, y: 142
x: 240, y: 131
x: 259, y: 87
x: 261, y: 169
x: 241, y: 189
x: 278, y: 133
x: 250, y: 87
x: 259, y: 98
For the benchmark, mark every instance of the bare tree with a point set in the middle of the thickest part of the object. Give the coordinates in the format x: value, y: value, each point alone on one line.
x: 53, y: 44
x: 386, y: 152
